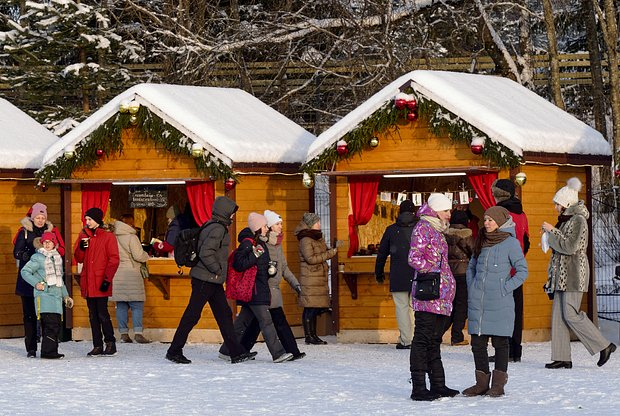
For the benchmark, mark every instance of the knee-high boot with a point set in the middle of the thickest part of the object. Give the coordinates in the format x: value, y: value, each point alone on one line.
x: 305, y: 320
x: 419, y: 391
x: 315, y: 339
x: 437, y: 378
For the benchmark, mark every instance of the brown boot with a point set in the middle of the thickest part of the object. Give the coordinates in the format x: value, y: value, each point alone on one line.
x: 481, y: 387
x: 497, y: 384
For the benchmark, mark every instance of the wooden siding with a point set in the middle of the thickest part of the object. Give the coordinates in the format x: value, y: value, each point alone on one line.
x: 414, y: 147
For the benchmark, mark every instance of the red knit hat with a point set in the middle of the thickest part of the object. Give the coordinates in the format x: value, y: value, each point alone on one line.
x: 49, y: 236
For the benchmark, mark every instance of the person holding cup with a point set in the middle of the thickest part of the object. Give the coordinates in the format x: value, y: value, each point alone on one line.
x: 97, y: 250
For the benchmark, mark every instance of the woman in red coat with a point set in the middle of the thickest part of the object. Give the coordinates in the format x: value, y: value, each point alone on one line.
x: 97, y: 250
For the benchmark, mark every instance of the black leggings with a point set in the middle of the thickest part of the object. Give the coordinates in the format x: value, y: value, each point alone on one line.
x: 479, y: 347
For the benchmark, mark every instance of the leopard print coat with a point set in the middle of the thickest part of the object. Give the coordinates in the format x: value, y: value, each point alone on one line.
x: 569, y: 270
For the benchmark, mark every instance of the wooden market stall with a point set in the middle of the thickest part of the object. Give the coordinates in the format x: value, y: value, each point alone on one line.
x: 24, y: 142
x: 158, y: 146
x: 453, y: 133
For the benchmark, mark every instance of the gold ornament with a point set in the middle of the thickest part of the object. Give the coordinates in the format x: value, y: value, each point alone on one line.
x: 520, y: 178
x: 197, y: 150
x: 374, y: 142
x: 133, y: 119
x: 124, y: 106
x: 134, y: 107
x: 69, y: 152
x: 308, y: 180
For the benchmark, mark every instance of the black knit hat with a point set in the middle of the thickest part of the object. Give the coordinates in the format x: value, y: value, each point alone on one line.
x: 503, y: 189
x: 96, y: 214
x: 459, y: 217
x: 407, y: 206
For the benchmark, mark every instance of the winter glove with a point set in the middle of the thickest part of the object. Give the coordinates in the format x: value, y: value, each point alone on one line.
x: 338, y: 243
x: 380, y: 278
x: 258, y: 250
x: 105, y: 285
x: 68, y: 302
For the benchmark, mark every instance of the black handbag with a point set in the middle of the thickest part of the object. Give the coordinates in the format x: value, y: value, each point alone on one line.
x: 427, y: 285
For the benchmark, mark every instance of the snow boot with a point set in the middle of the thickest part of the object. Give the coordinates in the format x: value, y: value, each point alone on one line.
x: 419, y: 392
x: 437, y: 378
x: 110, y: 349
x: 481, y: 386
x: 498, y: 382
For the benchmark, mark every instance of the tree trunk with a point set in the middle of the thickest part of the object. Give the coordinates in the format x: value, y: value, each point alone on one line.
x: 596, y: 69
x: 611, y: 39
x: 554, y: 62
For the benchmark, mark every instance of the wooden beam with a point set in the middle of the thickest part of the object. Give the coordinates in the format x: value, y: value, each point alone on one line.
x: 464, y: 169
x: 566, y: 159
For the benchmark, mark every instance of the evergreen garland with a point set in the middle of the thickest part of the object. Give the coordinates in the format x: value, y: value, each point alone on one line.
x: 107, y: 137
x: 441, y: 122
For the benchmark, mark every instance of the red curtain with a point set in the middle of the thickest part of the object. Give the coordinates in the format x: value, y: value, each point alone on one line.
x: 363, y: 193
x: 481, y: 183
x: 95, y: 195
x: 201, y: 196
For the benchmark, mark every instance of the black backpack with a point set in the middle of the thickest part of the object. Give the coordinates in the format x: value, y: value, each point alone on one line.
x: 186, y: 250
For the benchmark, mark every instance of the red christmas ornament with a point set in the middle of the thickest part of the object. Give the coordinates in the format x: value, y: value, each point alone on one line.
x: 400, y: 103
x: 412, y: 104
x: 617, y: 173
x: 229, y: 184
x: 412, y: 116
x: 477, y: 149
x: 341, y: 148
x: 99, y: 153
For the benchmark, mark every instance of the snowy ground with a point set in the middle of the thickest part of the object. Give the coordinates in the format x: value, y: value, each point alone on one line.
x: 336, y: 379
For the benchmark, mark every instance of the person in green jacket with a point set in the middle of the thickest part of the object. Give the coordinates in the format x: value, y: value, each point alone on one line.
x: 44, y: 271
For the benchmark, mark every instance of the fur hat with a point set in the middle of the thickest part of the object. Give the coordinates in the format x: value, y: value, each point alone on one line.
x: 96, y: 214
x: 256, y: 221
x: 459, y: 217
x: 503, y: 189
x: 49, y: 236
x: 407, y: 206
x: 499, y: 214
x: 272, y: 217
x: 38, y: 209
x: 569, y: 194
x: 310, y: 218
x: 439, y: 202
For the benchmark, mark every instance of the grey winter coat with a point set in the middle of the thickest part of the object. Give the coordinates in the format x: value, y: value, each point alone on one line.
x: 276, y: 253
x: 214, y: 241
x: 490, y: 304
x: 569, y: 270
x: 313, y: 256
x: 128, y: 282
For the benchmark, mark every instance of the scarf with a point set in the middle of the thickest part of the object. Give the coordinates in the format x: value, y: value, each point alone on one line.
x: 275, y: 239
x: 496, y: 237
x: 313, y: 234
x: 53, y: 267
x: 562, y: 219
x: 436, y: 223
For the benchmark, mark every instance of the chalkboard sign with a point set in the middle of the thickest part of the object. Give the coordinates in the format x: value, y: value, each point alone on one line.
x: 148, y: 196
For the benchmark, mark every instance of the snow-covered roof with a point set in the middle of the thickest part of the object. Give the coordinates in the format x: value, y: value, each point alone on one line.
x: 505, y: 111
x: 24, y: 140
x: 230, y: 123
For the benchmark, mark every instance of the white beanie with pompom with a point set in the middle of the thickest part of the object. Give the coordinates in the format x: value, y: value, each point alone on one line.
x: 569, y: 194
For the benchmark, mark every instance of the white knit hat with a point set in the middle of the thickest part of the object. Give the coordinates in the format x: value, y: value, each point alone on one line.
x: 272, y: 217
x: 569, y: 194
x: 439, y: 202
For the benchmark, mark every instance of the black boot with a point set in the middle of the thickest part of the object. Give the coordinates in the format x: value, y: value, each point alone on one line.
x: 437, y: 377
x: 305, y: 320
x: 315, y: 339
x: 110, y: 349
x: 419, y: 391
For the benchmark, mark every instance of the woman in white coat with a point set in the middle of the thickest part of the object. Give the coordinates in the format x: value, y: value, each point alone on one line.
x: 128, y: 291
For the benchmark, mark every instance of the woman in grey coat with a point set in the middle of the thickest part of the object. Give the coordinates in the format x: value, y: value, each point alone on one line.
x: 128, y: 290
x: 491, y: 309
x: 569, y: 275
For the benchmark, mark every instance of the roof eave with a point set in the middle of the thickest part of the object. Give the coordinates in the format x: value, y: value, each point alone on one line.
x: 571, y: 159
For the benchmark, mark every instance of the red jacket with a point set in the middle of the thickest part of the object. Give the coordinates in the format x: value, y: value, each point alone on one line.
x: 99, y: 261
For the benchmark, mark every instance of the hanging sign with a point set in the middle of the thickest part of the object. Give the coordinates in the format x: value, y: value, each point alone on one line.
x: 401, y: 197
x: 463, y: 197
x: 416, y: 197
x: 148, y: 196
x: 385, y: 197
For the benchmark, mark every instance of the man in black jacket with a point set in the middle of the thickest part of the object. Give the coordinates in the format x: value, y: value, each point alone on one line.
x: 208, y: 276
x: 396, y: 242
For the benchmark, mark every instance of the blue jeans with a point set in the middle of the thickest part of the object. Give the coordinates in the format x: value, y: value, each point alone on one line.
x: 122, y: 316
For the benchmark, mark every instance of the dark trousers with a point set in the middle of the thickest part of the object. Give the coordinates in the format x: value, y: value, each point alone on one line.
x: 283, y: 329
x: 459, y: 310
x: 100, y: 322
x: 426, y: 345
x: 479, y: 347
x: 203, y: 292
x: 50, y: 328
x: 517, y: 333
x: 30, y: 323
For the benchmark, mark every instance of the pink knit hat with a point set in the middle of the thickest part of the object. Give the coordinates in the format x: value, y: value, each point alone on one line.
x: 256, y: 221
x: 38, y: 209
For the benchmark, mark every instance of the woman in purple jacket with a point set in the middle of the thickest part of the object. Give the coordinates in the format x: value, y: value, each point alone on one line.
x: 429, y: 253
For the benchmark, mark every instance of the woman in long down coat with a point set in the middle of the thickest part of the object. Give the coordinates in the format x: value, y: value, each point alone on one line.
x: 569, y: 275
x: 491, y: 305
x: 429, y: 253
x: 313, y: 273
